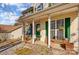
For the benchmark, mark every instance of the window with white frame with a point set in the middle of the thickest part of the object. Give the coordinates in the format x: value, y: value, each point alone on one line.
x: 52, y: 29
x: 60, y: 23
x: 52, y: 24
x: 60, y: 27
x: 39, y: 7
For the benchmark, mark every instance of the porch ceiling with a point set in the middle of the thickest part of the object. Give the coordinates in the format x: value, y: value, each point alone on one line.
x: 53, y: 11
x: 65, y: 11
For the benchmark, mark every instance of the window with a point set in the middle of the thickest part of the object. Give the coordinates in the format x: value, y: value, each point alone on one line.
x: 52, y: 24
x: 60, y: 27
x: 39, y: 7
x: 52, y: 29
x: 29, y: 32
x: 60, y: 23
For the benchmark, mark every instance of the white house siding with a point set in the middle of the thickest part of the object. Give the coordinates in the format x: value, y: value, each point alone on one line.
x: 74, y: 30
x: 74, y: 33
x: 16, y: 34
x: 45, y: 5
x: 4, y: 36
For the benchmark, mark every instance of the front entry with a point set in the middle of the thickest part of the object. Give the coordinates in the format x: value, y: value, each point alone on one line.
x: 37, y: 30
x: 29, y: 30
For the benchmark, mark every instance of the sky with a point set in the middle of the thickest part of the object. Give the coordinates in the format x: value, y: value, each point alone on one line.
x: 10, y: 12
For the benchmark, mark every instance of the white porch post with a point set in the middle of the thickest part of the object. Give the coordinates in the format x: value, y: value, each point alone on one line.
x: 22, y: 37
x: 23, y: 31
x: 56, y: 30
x: 49, y: 25
x: 33, y: 32
x: 78, y: 29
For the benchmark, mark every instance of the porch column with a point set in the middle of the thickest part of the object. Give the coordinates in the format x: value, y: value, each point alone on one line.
x: 49, y: 25
x: 33, y: 32
x: 23, y: 31
x: 78, y: 29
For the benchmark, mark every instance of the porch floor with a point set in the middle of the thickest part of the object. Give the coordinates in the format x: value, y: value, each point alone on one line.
x: 38, y: 48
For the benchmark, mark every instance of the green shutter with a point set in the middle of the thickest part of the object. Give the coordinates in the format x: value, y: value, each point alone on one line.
x: 46, y: 29
x: 37, y: 32
x: 67, y: 28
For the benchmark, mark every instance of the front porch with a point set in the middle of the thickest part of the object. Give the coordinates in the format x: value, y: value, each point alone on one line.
x: 50, y: 31
x: 55, y: 27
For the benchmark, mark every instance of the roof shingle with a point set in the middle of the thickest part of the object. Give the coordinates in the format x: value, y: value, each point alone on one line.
x: 8, y: 28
